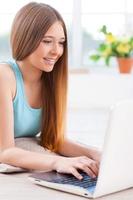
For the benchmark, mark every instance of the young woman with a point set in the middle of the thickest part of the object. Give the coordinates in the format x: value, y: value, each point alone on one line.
x: 33, y: 93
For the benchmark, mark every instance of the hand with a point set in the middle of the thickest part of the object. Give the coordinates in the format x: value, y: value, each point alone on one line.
x: 71, y: 166
x: 96, y: 155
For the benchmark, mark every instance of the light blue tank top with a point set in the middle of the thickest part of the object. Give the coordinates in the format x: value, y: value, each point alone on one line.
x: 27, y: 120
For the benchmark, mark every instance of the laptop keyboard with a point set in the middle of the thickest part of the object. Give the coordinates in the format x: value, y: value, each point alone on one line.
x: 86, y: 182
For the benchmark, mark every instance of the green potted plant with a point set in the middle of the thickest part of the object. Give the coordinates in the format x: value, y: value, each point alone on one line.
x: 113, y: 46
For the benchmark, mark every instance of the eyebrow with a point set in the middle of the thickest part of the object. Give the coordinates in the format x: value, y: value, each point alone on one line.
x: 48, y: 36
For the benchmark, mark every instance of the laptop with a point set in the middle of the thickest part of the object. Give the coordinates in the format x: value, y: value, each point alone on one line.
x: 115, y: 173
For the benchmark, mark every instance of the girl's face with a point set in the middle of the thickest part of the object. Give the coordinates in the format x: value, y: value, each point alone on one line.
x: 49, y: 50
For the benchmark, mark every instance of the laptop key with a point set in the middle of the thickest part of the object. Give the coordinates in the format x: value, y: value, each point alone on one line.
x: 86, y: 182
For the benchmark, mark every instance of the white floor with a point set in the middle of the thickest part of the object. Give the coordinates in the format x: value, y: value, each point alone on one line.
x: 90, y: 97
x: 88, y: 125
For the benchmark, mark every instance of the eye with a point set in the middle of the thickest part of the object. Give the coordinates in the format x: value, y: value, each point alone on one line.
x: 47, y: 41
x: 62, y: 43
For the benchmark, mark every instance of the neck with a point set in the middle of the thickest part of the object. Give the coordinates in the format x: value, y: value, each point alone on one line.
x: 30, y: 73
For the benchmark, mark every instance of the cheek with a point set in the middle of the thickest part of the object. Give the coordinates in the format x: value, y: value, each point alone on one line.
x: 39, y: 51
x: 61, y: 51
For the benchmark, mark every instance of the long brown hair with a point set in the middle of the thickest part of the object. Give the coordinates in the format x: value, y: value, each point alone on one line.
x: 28, y: 29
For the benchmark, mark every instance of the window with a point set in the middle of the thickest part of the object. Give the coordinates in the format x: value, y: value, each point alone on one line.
x: 83, y: 18
x: 8, y: 10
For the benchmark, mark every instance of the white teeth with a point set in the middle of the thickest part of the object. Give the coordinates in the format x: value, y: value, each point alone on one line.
x: 50, y: 61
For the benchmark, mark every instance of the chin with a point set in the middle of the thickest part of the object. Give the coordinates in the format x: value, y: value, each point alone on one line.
x: 49, y: 69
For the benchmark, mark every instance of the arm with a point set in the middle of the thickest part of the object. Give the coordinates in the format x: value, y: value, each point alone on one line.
x: 9, y: 154
x: 28, y: 160
x: 71, y: 148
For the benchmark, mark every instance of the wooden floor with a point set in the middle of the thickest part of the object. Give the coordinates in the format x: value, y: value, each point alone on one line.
x: 86, y: 126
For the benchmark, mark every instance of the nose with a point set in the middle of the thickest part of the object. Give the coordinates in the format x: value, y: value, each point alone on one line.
x: 56, y: 49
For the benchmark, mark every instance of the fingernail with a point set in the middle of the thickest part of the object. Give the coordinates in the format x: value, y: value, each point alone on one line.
x: 80, y: 177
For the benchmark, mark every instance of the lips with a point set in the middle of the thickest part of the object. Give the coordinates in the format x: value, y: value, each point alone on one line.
x: 50, y: 61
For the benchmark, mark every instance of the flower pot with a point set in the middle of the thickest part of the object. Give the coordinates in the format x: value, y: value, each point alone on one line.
x: 125, y: 64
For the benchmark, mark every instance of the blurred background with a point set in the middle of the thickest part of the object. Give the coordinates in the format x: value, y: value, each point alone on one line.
x: 93, y: 87
x: 83, y: 18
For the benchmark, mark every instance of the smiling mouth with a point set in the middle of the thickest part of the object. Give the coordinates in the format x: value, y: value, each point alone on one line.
x: 50, y: 61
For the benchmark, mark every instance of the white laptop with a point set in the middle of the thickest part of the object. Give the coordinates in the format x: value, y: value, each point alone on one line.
x: 116, y: 165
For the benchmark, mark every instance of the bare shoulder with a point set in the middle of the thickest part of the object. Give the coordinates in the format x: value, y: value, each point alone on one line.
x: 6, y: 71
x: 7, y: 77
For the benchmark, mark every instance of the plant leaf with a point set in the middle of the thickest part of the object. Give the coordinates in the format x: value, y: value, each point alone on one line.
x: 107, y: 59
x: 103, y: 29
x: 102, y: 47
x: 95, y: 57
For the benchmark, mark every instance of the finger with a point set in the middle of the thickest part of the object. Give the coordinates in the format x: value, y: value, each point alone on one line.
x: 94, y: 168
x: 87, y: 170
x: 76, y: 173
x: 97, y: 164
x: 91, y: 164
